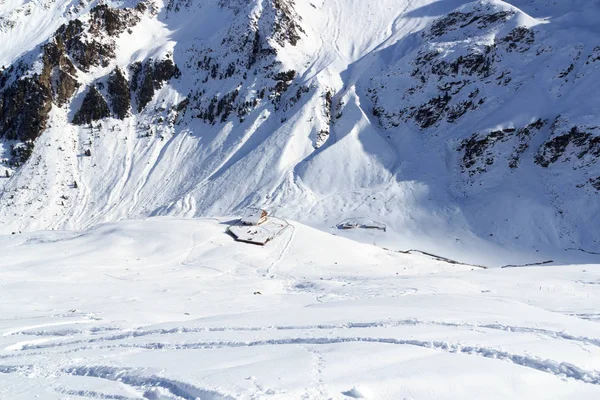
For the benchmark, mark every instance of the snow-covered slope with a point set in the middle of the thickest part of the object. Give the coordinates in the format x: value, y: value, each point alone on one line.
x: 178, y: 310
x: 468, y: 128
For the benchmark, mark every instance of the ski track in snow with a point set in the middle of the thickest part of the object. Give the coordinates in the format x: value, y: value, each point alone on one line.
x: 94, y: 395
x: 136, y: 379
x: 557, y: 368
x: 291, y: 229
x: 352, y: 325
x: 560, y: 369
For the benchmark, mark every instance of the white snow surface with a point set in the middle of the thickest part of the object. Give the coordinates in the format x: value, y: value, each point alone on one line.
x: 121, y: 287
x: 170, y: 308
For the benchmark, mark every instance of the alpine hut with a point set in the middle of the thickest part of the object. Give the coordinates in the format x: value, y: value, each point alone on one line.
x: 254, y: 216
x: 254, y: 227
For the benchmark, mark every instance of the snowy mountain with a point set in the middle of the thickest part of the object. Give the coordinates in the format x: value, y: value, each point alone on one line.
x: 469, y: 128
x: 465, y: 134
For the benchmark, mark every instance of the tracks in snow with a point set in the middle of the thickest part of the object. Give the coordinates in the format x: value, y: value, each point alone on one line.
x: 557, y: 368
x: 551, y: 334
x: 186, y: 391
x: 122, y: 340
x: 284, y: 249
x: 317, y: 371
x: 149, y: 384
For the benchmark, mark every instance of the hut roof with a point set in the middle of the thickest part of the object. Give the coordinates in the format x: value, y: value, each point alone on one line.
x: 260, y: 234
x: 254, y: 216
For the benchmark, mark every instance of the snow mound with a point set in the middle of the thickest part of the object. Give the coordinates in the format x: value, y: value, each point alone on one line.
x: 359, y: 392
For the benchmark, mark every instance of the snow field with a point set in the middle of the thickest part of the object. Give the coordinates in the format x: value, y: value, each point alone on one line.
x: 175, y: 309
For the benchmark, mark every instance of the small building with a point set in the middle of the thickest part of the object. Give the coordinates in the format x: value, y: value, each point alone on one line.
x: 348, y: 225
x: 361, y: 223
x: 256, y: 228
x: 254, y: 216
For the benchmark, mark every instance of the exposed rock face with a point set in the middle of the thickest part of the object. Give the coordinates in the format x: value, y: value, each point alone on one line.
x: 247, y: 64
x: 279, y: 15
x: 519, y: 39
x: 477, y: 60
x: 21, y: 153
x: 581, y: 143
x: 24, y: 108
x: 93, y: 108
x: 286, y: 27
x: 150, y: 76
x: 452, y: 70
x: 482, y: 16
x: 219, y: 109
x: 119, y: 91
x: 58, y: 73
x: 481, y: 149
x: 576, y: 146
x: 25, y: 104
x: 114, y: 21
x: 27, y: 101
x: 145, y: 87
x: 27, y: 94
x: 323, y: 133
x: 164, y: 70
x: 95, y: 45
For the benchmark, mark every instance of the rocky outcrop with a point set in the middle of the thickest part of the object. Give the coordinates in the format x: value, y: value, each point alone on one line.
x: 456, y: 70
x: 150, y: 76
x: 114, y: 21
x: 286, y: 27
x: 519, y: 39
x: 27, y: 101
x: 28, y: 93
x: 579, y: 143
x: 93, y: 108
x: 81, y: 46
x: 246, y: 62
x: 95, y: 46
x: 20, y: 153
x: 58, y: 72
x: 24, y: 109
x: 482, y: 16
x: 280, y: 16
x: 480, y: 151
x: 119, y: 92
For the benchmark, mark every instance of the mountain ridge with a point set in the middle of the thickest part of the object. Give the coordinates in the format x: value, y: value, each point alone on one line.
x: 460, y: 125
